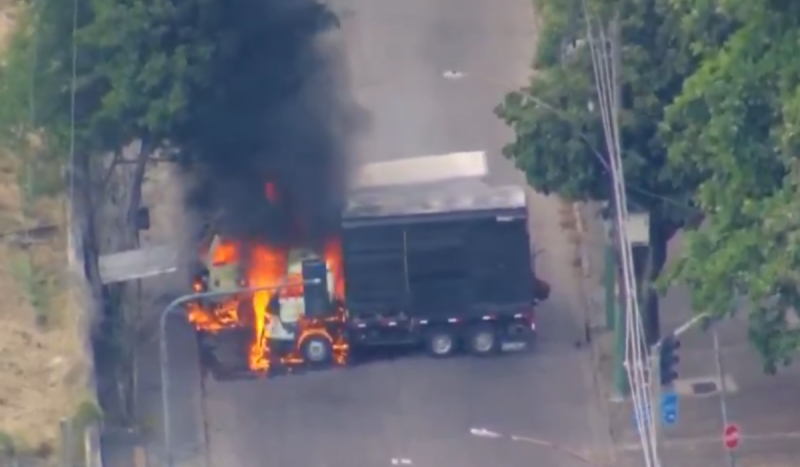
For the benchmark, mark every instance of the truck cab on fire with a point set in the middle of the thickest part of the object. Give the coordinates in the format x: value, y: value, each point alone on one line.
x: 218, y: 272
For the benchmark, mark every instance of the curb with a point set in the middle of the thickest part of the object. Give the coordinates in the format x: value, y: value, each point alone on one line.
x: 601, y: 418
x: 583, y: 248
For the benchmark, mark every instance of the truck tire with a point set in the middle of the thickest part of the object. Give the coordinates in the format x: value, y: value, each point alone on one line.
x: 316, y: 350
x: 482, y: 340
x: 440, y: 343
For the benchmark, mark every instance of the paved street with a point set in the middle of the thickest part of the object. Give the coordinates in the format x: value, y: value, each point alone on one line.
x: 418, y: 409
x: 414, y: 409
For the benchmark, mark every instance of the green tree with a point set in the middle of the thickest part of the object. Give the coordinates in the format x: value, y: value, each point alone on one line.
x: 737, y: 122
x: 194, y: 78
x: 174, y: 74
x: 560, y: 146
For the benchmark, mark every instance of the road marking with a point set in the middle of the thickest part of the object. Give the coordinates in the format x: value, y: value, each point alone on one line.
x: 484, y: 433
x: 691, y: 442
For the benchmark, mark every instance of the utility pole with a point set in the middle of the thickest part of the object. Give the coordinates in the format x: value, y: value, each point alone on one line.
x: 621, y: 379
x: 606, y: 59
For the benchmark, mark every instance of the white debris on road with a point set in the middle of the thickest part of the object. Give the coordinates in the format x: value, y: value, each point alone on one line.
x: 484, y: 433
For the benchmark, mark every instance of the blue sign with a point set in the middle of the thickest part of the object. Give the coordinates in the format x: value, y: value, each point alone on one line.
x: 669, y: 408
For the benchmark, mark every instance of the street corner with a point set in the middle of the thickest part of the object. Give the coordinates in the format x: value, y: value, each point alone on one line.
x: 712, y: 451
x: 688, y: 410
x: 623, y: 423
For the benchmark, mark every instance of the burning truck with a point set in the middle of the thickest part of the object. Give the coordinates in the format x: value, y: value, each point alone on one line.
x: 427, y: 254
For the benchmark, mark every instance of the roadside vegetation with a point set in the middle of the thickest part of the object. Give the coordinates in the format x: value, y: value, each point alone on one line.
x: 187, y: 80
x: 710, y: 124
x: 45, y: 362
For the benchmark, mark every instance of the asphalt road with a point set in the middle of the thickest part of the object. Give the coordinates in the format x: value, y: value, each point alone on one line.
x: 417, y: 409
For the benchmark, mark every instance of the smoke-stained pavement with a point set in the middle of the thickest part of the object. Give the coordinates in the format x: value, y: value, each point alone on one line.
x: 418, y: 409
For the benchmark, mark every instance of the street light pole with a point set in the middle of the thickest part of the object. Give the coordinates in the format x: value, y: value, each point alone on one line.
x: 164, y: 354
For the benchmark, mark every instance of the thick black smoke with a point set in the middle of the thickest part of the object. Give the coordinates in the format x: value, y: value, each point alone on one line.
x: 279, y: 112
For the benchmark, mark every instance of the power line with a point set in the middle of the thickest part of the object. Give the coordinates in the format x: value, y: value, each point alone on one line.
x: 607, y: 87
x: 73, y: 86
x: 32, y: 112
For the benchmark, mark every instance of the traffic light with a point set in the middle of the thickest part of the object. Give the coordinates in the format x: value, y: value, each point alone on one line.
x: 668, y: 360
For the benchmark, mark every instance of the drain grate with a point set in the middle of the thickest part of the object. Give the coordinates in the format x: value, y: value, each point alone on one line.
x: 704, y: 388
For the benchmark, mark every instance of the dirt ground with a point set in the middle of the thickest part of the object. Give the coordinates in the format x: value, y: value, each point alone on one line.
x: 44, y: 355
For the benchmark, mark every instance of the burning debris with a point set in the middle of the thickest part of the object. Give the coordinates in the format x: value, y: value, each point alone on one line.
x: 267, y: 181
x: 277, y: 312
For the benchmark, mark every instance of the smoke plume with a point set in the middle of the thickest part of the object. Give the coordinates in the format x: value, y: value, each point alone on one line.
x: 281, y: 114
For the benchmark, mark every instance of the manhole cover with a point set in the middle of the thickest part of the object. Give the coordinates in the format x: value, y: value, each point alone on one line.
x: 704, y: 387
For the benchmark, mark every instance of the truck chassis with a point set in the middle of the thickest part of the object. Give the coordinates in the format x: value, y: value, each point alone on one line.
x: 341, y: 342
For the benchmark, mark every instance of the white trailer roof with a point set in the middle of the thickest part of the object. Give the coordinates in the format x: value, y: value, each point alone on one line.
x: 441, y: 184
x: 425, y: 169
x: 457, y: 196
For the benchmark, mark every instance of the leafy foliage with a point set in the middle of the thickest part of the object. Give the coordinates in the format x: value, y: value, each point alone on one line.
x: 194, y: 77
x: 559, y: 140
x: 165, y: 72
x: 560, y: 146
x: 727, y: 143
x: 737, y: 122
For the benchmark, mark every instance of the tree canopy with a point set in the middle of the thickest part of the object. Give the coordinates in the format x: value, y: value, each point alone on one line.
x: 737, y: 121
x: 179, y: 74
x: 560, y: 146
x: 709, y: 122
x: 197, y: 79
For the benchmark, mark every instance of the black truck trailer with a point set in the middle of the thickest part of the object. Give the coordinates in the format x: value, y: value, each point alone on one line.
x: 446, y: 265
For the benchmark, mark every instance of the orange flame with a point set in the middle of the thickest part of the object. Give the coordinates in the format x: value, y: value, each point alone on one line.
x: 267, y: 266
x: 333, y: 258
x: 227, y: 252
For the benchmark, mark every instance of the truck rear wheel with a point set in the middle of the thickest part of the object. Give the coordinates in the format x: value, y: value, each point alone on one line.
x: 440, y: 343
x: 482, y: 340
x: 317, y: 349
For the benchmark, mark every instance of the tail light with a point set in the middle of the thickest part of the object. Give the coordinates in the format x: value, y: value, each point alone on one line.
x: 524, y: 323
x: 530, y: 317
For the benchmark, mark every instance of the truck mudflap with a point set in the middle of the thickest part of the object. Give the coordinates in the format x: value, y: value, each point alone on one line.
x: 520, y: 334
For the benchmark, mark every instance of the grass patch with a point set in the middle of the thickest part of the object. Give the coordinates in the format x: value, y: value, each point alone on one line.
x: 45, y: 362
x: 44, y: 357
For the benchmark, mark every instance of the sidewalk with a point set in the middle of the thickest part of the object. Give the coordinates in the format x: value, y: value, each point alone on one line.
x: 764, y: 407
x: 144, y: 447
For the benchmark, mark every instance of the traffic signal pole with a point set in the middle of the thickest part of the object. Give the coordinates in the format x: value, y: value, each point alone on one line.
x: 658, y: 366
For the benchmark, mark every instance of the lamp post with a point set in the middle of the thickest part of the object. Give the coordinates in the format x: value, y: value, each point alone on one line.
x: 174, y: 307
